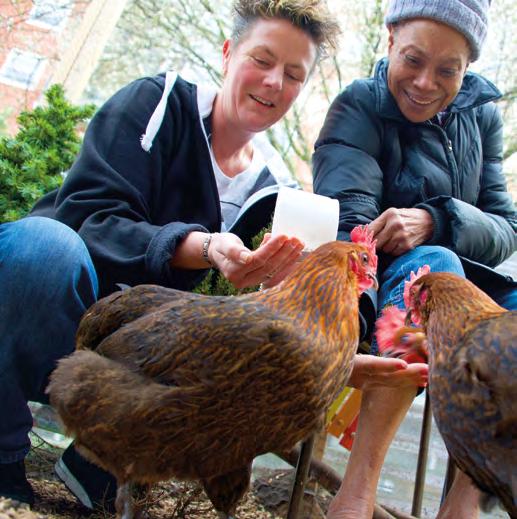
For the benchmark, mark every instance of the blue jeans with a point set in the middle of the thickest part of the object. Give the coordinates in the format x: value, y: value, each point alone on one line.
x: 440, y: 259
x: 47, y: 281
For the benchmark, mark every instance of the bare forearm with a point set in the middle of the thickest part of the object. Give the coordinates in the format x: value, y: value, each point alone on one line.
x: 189, y: 253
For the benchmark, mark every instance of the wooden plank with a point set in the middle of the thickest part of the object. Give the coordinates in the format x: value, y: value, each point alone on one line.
x: 346, y: 415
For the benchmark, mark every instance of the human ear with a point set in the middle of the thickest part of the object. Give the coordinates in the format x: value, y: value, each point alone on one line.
x: 391, y: 36
x: 227, y: 51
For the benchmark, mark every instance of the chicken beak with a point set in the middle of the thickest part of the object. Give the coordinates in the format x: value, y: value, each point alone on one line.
x: 373, y: 277
x: 408, y: 320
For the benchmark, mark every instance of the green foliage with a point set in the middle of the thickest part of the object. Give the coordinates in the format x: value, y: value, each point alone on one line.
x: 374, y: 30
x: 215, y: 284
x: 32, y: 163
x: 3, y: 125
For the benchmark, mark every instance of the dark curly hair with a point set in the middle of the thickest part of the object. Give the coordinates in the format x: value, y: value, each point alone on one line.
x: 311, y: 16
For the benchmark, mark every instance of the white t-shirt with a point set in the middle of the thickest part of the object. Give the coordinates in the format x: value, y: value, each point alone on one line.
x: 234, y: 191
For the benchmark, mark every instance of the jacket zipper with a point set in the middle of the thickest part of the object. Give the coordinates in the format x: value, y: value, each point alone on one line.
x: 447, y: 144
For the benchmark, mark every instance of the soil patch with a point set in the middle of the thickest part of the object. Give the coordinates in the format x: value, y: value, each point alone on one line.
x: 267, y: 499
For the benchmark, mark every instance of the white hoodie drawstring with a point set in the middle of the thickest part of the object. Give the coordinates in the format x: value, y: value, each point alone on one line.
x: 146, y: 141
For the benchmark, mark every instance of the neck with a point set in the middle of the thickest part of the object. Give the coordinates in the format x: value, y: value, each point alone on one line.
x: 452, y: 313
x: 231, y: 146
x: 321, y: 299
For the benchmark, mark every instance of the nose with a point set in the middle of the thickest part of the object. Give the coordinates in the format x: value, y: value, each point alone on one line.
x: 424, y: 80
x: 274, y: 78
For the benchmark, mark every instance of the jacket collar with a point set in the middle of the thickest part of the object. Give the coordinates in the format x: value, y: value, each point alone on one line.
x: 475, y: 91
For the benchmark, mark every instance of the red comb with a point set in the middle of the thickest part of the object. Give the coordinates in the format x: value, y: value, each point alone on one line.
x: 362, y: 234
x: 422, y: 271
x: 391, y: 319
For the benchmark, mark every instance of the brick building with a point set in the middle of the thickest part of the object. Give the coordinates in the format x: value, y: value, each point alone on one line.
x: 50, y: 41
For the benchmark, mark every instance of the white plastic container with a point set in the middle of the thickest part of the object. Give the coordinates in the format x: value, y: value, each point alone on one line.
x: 311, y: 218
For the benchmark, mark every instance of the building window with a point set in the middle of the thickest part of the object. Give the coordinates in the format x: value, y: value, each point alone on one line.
x: 22, y: 69
x: 50, y: 14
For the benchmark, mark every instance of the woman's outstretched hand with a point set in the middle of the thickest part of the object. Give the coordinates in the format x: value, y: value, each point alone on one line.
x: 268, y: 264
x: 371, y: 371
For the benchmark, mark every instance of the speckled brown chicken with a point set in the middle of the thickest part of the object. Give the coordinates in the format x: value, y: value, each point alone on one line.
x: 194, y: 387
x: 472, y: 345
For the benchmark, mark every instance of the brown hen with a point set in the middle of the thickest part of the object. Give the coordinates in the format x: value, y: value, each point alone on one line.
x: 194, y: 387
x: 472, y: 345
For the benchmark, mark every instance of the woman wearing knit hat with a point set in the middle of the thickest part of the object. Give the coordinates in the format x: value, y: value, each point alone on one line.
x: 416, y: 153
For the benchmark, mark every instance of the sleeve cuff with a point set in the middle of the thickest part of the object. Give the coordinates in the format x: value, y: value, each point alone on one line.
x: 439, y: 217
x: 160, y: 251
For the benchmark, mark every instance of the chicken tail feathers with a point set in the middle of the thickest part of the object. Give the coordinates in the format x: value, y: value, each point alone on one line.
x: 85, y: 383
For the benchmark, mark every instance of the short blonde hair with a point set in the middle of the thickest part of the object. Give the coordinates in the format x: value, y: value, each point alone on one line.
x: 311, y: 16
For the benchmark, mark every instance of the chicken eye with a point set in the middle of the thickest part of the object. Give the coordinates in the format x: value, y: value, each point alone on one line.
x: 364, y: 258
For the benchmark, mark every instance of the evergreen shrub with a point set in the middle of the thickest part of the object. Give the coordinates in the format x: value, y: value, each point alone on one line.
x: 34, y: 161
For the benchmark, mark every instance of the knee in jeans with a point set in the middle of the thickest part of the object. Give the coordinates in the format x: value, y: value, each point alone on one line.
x: 43, y: 239
x: 441, y: 259
x: 38, y: 248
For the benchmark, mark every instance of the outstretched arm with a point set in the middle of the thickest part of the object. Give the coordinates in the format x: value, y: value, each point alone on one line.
x: 371, y: 371
x: 270, y: 262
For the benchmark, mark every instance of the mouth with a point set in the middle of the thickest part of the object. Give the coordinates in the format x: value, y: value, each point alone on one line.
x: 422, y: 103
x: 262, y: 101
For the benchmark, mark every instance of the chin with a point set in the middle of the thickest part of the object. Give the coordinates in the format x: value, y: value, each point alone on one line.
x: 257, y: 127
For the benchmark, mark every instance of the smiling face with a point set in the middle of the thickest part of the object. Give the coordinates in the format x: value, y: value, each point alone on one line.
x: 264, y: 73
x: 427, y: 62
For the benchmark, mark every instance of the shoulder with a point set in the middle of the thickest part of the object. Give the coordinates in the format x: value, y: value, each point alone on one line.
x: 489, y: 115
x: 352, y: 117
x: 145, y: 93
x: 360, y: 94
x: 165, y: 101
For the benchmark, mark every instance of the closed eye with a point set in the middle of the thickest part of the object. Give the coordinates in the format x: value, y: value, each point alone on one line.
x: 260, y: 62
x: 293, y: 77
x: 448, y: 72
x: 412, y: 60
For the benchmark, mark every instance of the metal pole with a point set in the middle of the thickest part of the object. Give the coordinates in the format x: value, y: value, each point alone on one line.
x: 422, y: 458
x: 300, y: 479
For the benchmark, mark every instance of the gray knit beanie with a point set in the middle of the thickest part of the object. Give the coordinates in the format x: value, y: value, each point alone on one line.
x: 466, y: 16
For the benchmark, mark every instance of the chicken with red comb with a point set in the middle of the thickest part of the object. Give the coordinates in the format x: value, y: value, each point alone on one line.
x: 363, y: 235
x: 168, y: 383
x: 394, y: 337
x: 472, y: 364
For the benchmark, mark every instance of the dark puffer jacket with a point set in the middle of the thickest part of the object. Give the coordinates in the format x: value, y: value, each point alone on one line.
x: 370, y: 157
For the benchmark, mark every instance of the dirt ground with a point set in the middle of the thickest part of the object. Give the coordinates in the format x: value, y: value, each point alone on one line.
x: 267, y: 499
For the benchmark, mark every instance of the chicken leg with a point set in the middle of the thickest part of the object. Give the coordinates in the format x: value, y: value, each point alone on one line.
x: 124, y: 501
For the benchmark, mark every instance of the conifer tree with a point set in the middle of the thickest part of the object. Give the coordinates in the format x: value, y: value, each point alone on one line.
x: 34, y: 161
